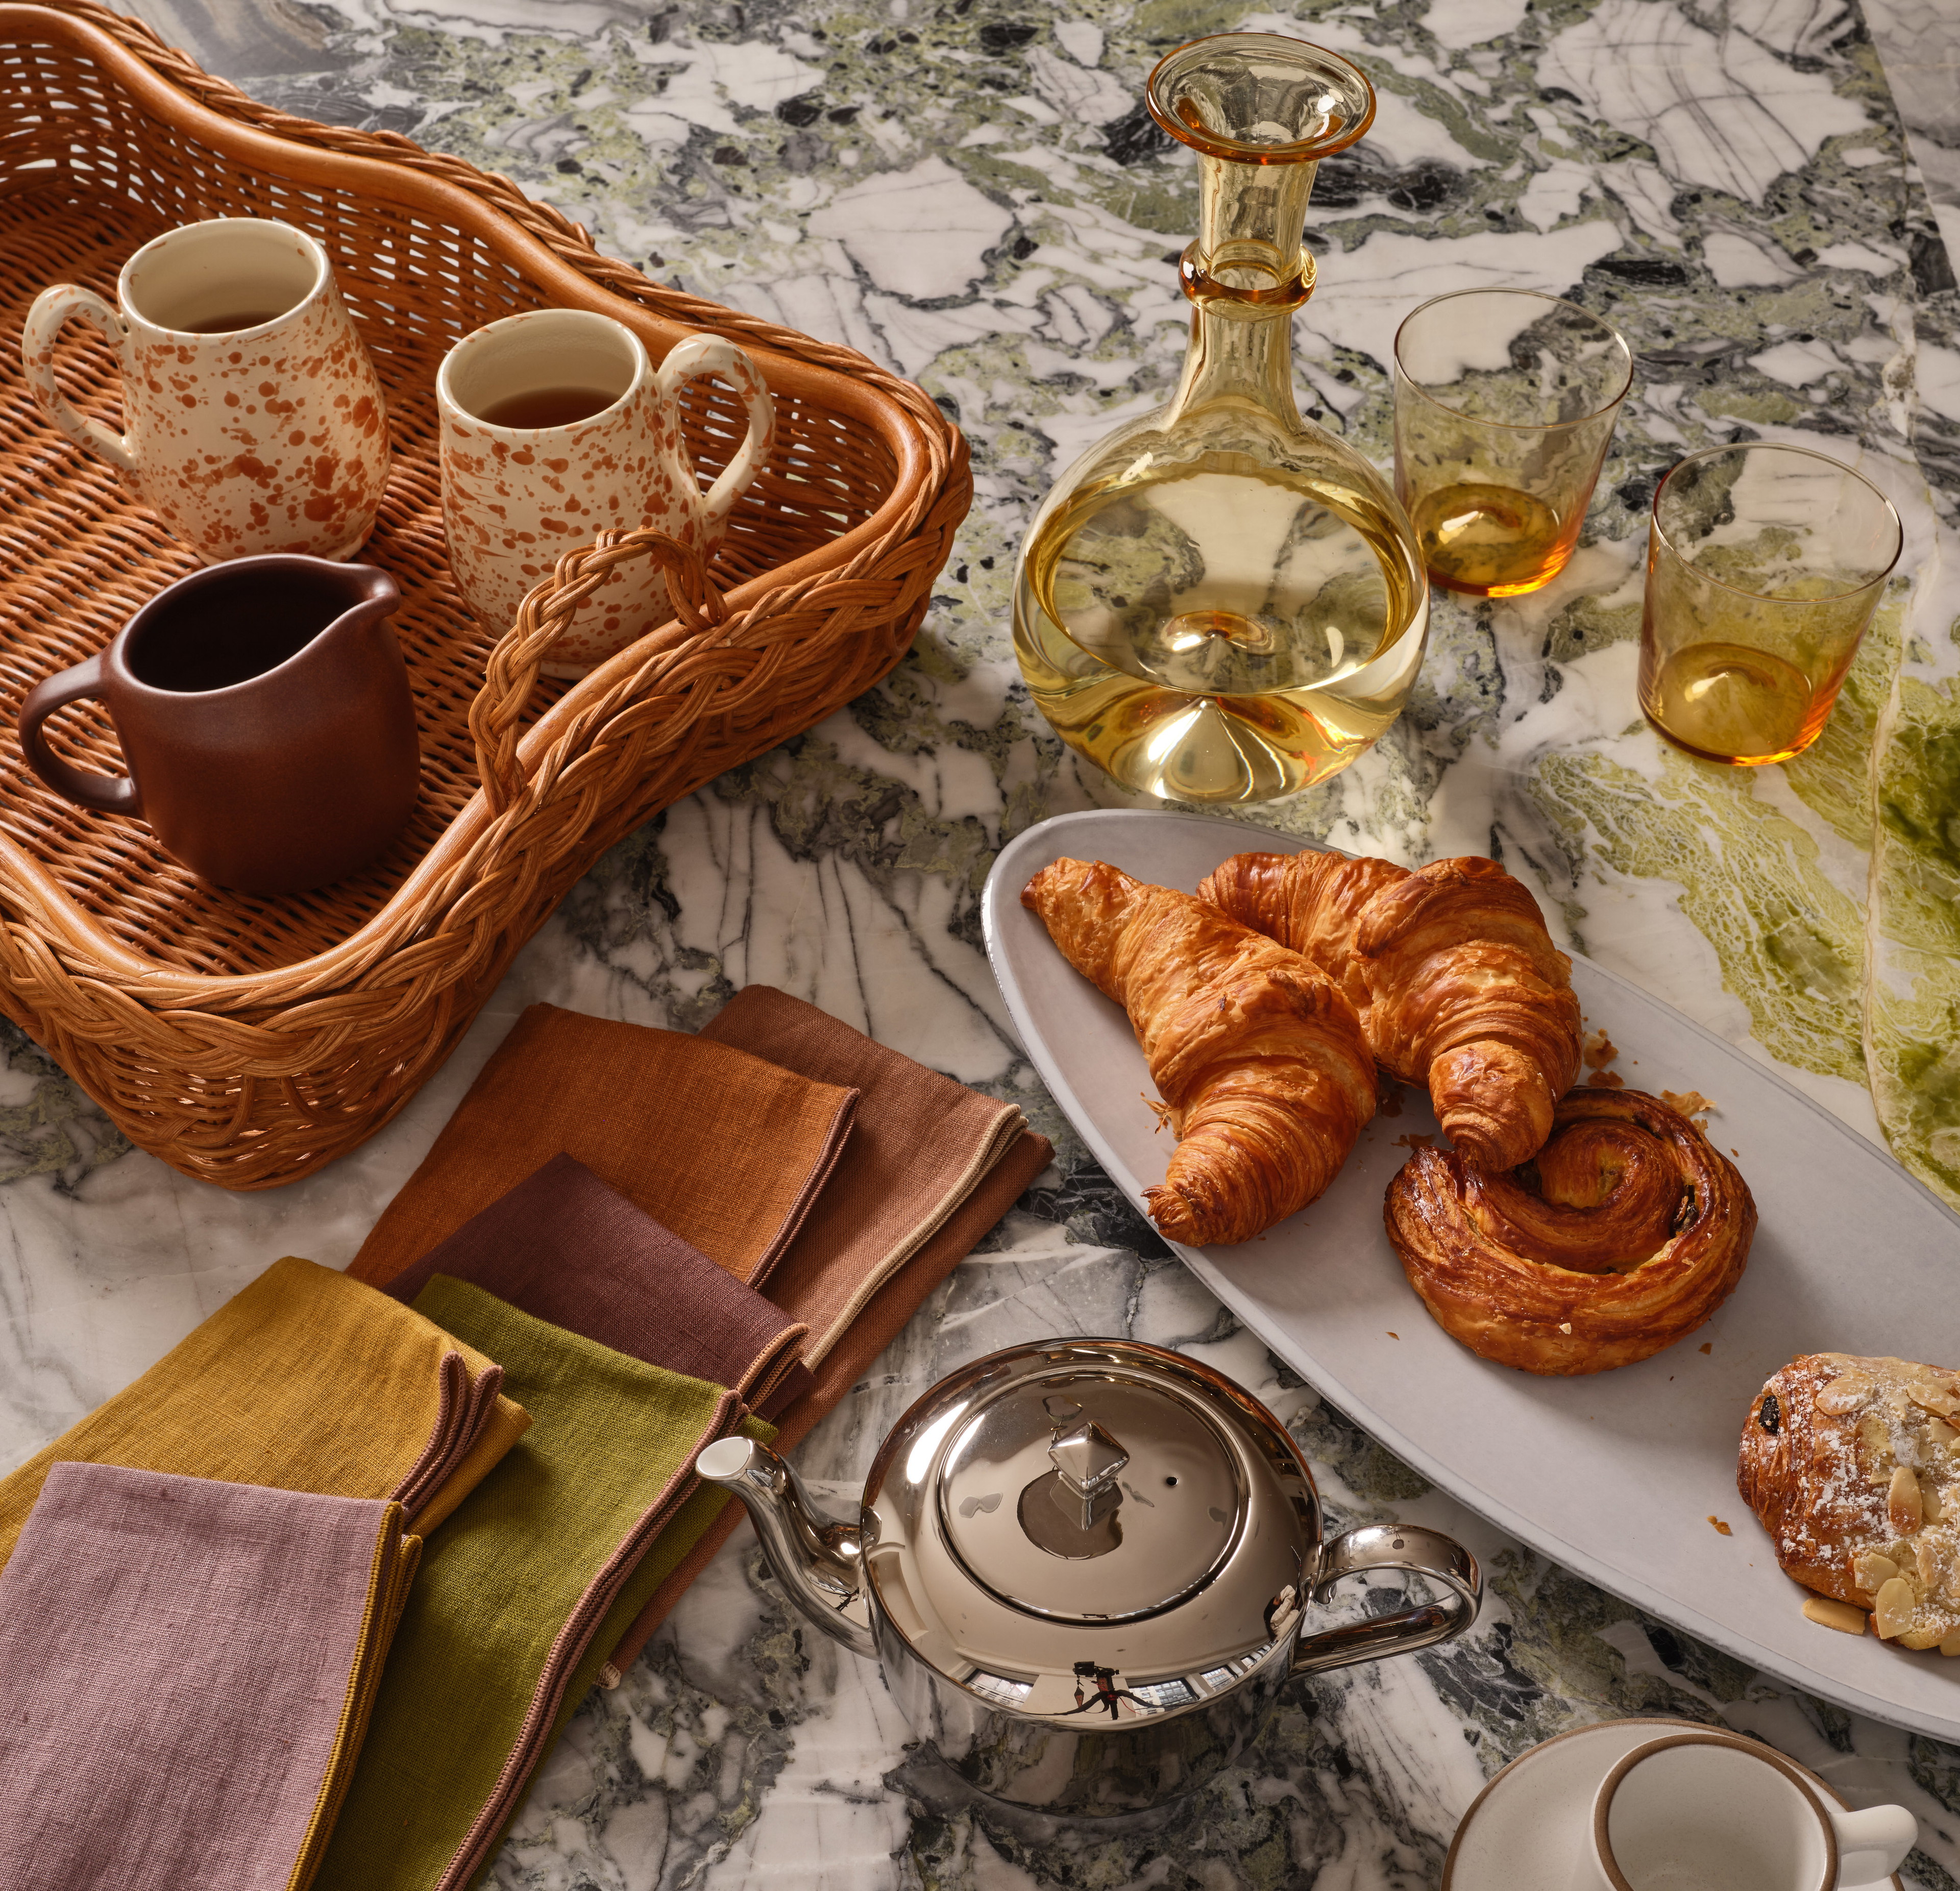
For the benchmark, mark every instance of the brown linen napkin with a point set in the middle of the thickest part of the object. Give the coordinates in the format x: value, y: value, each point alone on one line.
x: 726, y: 1150
x: 566, y: 1249
x: 188, y: 1668
x: 919, y: 1148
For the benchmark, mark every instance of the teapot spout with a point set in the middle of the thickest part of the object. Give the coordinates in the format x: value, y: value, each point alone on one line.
x: 814, y: 1557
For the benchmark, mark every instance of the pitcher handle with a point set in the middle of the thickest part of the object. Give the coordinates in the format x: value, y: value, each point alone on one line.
x: 510, y: 673
x: 1422, y: 1552
x: 53, y: 309
x: 105, y: 793
x: 712, y: 354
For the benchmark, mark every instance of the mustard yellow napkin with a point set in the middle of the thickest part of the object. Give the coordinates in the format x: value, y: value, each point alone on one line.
x: 307, y: 1381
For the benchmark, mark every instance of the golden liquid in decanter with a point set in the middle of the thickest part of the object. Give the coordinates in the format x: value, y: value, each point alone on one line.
x: 1490, y: 541
x: 1219, y: 636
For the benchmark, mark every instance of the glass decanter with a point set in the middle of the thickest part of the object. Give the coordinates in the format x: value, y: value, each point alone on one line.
x: 1220, y: 602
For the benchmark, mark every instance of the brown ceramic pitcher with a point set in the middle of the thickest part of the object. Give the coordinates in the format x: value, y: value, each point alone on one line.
x: 266, y: 718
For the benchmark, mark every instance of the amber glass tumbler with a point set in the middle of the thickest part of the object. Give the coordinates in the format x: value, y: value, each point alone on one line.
x: 1765, y: 565
x: 1505, y: 402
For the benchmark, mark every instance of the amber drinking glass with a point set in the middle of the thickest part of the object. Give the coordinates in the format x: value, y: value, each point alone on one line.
x: 1765, y: 565
x: 1505, y: 401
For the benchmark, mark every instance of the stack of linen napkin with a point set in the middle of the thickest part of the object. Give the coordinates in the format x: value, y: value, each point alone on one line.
x: 660, y: 1240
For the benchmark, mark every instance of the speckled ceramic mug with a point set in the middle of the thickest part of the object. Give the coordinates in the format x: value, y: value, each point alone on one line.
x: 516, y: 499
x: 255, y: 420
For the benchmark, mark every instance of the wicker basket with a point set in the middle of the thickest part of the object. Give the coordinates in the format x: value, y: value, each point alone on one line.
x: 248, y: 1042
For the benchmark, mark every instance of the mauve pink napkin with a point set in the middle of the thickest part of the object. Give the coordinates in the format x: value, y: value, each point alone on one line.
x: 185, y: 1672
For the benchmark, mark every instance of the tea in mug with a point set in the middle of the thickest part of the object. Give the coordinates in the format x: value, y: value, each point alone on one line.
x: 547, y: 407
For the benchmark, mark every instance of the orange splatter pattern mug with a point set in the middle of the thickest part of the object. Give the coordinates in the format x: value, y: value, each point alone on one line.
x: 253, y: 418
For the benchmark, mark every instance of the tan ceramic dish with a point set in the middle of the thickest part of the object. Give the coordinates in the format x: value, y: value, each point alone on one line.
x: 248, y: 1042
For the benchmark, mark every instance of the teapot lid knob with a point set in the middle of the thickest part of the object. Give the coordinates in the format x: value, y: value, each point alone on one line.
x: 1087, y: 1458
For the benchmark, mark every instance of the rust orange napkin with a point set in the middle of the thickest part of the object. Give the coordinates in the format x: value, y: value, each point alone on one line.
x: 305, y: 1381
x: 725, y: 1149
x: 187, y: 1668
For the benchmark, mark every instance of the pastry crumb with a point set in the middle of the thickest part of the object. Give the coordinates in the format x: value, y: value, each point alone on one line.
x: 1415, y: 1139
x: 1393, y: 1335
x: 1606, y: 1080
x: 1688, y: 1102
x: 1828, y: 1613
x: 1565, y: 1325
x: 1599, y: 1050
x: 1721, y: 1528
x: 1707, y: 1345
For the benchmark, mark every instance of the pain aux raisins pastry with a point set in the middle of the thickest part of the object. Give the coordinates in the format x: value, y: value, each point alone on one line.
x: 1625, y: 1233
x: 1852, y: 1465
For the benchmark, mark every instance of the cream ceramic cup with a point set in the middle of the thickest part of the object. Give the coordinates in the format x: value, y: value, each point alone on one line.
x: 1713, y: 1812
x: 516, y: 499
x: 267, y: 435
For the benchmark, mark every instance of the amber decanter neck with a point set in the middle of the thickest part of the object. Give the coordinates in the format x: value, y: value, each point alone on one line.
x: 1261, y: 110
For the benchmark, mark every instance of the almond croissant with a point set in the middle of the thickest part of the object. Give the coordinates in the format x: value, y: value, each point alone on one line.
x: 1458, y: 982
x: 1265, y: 1077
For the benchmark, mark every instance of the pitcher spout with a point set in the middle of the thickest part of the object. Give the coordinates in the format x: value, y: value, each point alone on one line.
x: 815, y: 1558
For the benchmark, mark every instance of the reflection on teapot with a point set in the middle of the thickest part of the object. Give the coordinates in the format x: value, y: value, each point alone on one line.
x: 1116, y: 1634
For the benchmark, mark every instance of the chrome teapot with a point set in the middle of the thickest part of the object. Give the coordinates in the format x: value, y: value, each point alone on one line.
x: 1087, y: 1567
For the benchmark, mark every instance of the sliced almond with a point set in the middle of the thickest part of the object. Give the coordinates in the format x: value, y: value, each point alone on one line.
x: 1940, y: 1432
x: 1929, y: 1498
x: 1934, y: 1395
x: 1893, y: 1616
x: 1846, y: 1393
x: 1870, y: 1570
x: 1840, y: 1615
x: 1903, y: 1504
x: 1875, y: 1442
x: 1926, y: 1555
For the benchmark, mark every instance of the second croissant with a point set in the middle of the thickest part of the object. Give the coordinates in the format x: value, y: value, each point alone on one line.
x: 1458, y: 986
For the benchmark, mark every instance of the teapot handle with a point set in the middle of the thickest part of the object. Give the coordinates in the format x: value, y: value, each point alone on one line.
x: 1422, y: 1552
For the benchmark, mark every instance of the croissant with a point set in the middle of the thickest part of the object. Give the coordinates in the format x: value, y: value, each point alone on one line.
x: 1853, y: 1467
x: 1458, y: 982
x: 1265, y: 1074
x: 1627, y: 1232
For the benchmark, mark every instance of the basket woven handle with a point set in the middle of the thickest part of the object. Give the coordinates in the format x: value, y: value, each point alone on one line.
x: 511, y: 672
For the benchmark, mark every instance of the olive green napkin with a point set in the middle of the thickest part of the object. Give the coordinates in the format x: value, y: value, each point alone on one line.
x: 523, y: 1592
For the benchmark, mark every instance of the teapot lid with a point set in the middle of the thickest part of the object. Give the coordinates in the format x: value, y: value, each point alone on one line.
x: 1090, y: 1497
x: 1087, y: 1506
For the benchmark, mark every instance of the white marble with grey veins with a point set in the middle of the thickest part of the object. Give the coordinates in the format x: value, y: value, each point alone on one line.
x: 968, y: 192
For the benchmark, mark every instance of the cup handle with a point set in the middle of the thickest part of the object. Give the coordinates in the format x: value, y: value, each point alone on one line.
x: 711, y: 354
x: 1872, y: 1845
x: 52, y: 309
x: 106, y: 794
x: 1422, y: 1552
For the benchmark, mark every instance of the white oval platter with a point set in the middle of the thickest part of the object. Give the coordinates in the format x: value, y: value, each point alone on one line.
x: 1617, y: 1475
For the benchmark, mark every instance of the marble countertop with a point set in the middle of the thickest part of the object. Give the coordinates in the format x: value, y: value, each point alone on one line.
x: 970, y: 191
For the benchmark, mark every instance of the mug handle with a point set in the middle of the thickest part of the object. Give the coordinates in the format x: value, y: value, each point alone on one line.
x: 105, y: 793
x: 1422, y: 1552
x: 52, y: 310
x: 711, y: 355
x: 1872, y: 1845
